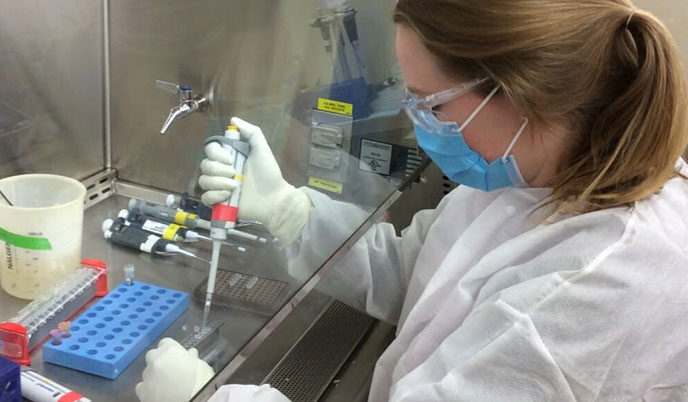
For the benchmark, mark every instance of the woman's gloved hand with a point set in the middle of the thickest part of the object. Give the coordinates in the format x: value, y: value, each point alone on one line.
x: 265, y: 195
x: 172, y: 373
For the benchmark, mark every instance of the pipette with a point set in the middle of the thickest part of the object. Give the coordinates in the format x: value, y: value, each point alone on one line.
x: 119, y: 233
x: 225, y: 214
x: 187, y: 204
x: 192, y: 221
x: 37, y: 388
x: 167, y: 214
x: 171, y: 231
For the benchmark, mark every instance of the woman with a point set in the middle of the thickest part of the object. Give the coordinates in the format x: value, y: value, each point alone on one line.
x: 559, y: 269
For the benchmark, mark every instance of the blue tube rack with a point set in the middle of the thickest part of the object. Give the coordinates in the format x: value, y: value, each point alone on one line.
x: 108, y: 336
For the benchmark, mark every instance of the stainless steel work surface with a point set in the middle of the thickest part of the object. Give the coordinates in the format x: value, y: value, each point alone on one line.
x: 256, y: 58
x: 176, y: 272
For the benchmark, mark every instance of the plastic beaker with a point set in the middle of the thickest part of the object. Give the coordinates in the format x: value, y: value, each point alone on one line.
x: 40, y: 234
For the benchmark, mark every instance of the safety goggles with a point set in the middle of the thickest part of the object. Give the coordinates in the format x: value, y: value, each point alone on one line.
x: 420, y: 110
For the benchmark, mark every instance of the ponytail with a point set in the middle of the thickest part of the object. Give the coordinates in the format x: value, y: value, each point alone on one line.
x: 634, y: 140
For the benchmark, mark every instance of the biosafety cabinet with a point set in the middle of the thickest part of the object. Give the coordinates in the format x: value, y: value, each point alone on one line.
x: 121, y: 96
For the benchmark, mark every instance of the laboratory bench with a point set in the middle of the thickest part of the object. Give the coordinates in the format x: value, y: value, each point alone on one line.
x: 175, y: 272
x: 249, y: 345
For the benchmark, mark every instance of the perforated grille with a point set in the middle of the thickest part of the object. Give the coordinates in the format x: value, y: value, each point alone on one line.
x: 305, y: 372
x: 99, y: 187
x: 246, y: 292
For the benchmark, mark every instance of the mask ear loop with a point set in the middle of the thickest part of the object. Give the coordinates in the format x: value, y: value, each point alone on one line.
x: 513, y: 142
x: 479, y: 108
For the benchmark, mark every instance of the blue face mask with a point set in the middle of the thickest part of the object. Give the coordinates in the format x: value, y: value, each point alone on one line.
x: 445, y: 145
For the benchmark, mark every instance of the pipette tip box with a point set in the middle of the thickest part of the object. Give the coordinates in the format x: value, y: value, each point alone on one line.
x: 107, y: 337
x: 10, y: 381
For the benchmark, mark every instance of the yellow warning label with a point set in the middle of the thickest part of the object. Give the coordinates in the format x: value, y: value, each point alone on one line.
x: 327, y: 185
x: 327, y: 105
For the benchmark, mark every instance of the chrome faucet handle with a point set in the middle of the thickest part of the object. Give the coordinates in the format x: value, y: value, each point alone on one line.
x: 167, y: 86
x: 185, y: 92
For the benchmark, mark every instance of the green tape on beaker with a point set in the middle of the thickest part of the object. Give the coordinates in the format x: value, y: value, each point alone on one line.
x: 29, y: 243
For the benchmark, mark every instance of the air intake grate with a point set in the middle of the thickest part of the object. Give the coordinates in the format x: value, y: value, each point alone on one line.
x: 305, y: 372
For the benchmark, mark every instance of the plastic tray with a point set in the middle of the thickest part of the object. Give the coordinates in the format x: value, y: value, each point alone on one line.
x: 107, y: 337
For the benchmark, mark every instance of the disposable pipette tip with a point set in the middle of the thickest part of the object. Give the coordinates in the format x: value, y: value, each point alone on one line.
x: 214, y: 261
x: 192, y: 236
x: 172, y: 248
x: 226, y: 243
x: 244, y: 235
x: 187, y: 253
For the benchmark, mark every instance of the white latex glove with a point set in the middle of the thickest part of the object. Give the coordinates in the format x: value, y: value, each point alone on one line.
x: 241, y: 393
x: 172, y: 374
x: 265, y: 195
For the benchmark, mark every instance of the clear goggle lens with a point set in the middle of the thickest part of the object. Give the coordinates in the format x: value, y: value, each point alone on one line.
x: 420, y: 110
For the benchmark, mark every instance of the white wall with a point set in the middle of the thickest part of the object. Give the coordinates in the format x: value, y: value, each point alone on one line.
x: 674, y: 14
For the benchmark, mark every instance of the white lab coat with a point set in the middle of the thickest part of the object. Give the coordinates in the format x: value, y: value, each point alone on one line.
x: 494, y: 304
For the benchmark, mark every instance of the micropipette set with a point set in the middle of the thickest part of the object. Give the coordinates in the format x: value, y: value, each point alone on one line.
x: 138, y: 229
x: 168, y: 231
x: 132, y: 237
x: 192, y: 221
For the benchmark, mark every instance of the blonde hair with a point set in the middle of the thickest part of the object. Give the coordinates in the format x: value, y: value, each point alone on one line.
x: 611, y: 70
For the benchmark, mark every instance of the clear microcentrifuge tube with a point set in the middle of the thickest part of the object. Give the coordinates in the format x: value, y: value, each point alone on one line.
x: 64, y: 327
x: 56, y: 335
x: 129, y: 274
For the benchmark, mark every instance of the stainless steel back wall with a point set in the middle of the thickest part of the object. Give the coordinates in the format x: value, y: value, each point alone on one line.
x: 256, y: 56
x: 51, y: 116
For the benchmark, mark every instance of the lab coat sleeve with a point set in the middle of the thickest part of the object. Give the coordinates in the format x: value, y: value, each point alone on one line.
x: 373, y: 276
x: 242, y: 393
x: 501, y: 357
